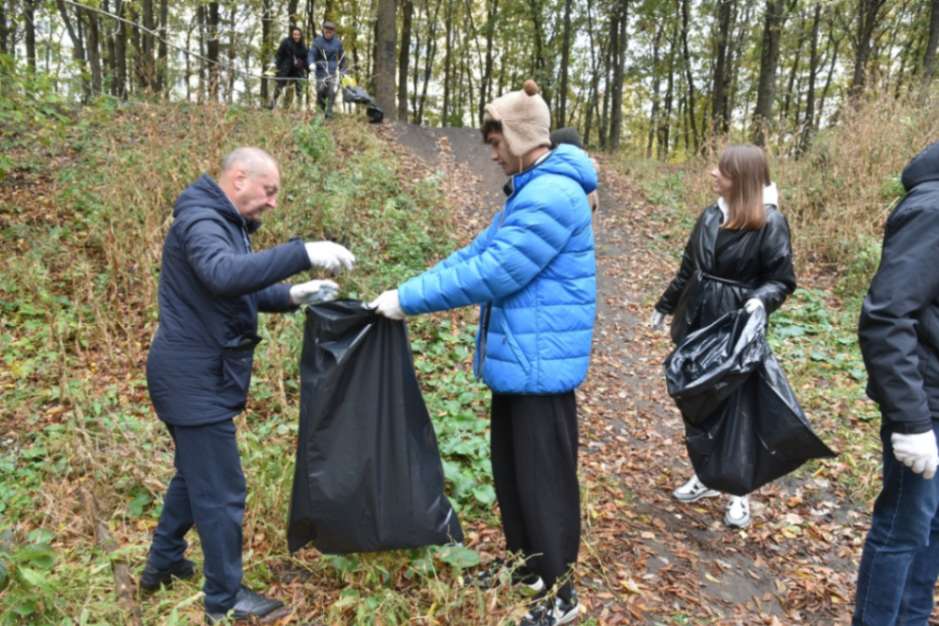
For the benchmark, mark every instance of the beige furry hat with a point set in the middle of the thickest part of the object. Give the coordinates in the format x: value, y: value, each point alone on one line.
x: 526, y: 122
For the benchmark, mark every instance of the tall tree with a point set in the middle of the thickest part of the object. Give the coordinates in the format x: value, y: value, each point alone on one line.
x: 92, y: 45
x: 929, y: 60
x: 162, y: 70
x: 619, y: 74
x: 29, y: 15
x: 808, y: 126
x: 561, y: 116
x: 868, y: 17
x: 212, y: 49
x: 404, y: 57
x: 485, y: 89
x: 720, y: 120
x: 4, y: 29
x: 769, y: 61
x: 689, y: 76
x: 267, y: 43
x: 146, y: 75
x: 447, y: 65
x: 384, y: 61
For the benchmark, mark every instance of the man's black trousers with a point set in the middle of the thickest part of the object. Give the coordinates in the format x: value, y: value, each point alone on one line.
x: 208, y: 491
x: 534, y: 467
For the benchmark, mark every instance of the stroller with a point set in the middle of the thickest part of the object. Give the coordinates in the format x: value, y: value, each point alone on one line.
x: 353, y: 94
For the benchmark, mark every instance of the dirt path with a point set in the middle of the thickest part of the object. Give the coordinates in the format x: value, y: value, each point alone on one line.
x: 645, y: 559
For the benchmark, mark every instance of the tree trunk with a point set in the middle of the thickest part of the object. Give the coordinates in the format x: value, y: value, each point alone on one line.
x: 232, y: 53
x: 808, y: 125
x: 769, y: 61
x: 310, y: 19
x: 78, y: 44
x: 429, y: 55
x: 686, y: 57
x: 162, y: 74
x: 384, y: 64
x: 404, y: 57
x: 619, y: 75
x: 794, y: 70
x: 92, y: 45
x: 267, y: 44
x: 119, y: 85
x: 665, y: 119
x: 201, y: 16
x: 565, y: 63
x: 4, y: 29
x: 445, y: 109
x: 720, y: 119
x: 485, y: 89
x: 929, y: 60
x: 29, y: 13
x: 835, y: 45
x: 293, y: 14
x: 656, y: 84
x: 867, y: 18
x: 146, y: 74
x: 594, y: 75
x: 212, y: 49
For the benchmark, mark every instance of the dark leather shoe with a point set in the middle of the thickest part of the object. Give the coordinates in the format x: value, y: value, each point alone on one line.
x: 248, y: 604
x: 152, y: 578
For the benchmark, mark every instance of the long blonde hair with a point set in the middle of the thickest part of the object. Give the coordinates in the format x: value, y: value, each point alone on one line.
x: 746, y: 167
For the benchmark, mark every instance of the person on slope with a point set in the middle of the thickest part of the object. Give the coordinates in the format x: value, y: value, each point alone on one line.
x: 899, y: 337
x: 533, y: 273
x: 327, y: 57
x: 742, y: 240
x: 291, y: 65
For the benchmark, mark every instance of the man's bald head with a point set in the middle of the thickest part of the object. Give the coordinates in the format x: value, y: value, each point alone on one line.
x: 251, y: 180
x: 251, y: 160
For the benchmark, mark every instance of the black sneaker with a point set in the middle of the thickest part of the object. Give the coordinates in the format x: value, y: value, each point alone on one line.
x: 248, y: 605
x: 152, y: 578
x: 492, y: 576
x: 552, y: 612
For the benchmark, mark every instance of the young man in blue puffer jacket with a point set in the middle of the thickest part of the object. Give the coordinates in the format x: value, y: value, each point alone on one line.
x: 533, y: 272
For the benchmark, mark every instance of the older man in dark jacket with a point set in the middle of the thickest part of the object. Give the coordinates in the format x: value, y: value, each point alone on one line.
x: 327, y: 58
x: 212, y: 286
x: 899, y: 335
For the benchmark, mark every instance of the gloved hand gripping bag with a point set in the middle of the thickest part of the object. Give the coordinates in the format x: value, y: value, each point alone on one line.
x: 368, y: 475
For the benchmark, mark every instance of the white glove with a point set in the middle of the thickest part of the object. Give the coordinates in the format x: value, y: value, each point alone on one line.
x: 329, y: 256
x: 657, y: 320
x: 387, y: 304
x: 753, y: 304
x: 313, y: 291
x: 918, y: 452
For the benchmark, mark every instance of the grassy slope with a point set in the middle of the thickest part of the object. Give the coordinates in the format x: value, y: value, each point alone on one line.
x: 78, y: 292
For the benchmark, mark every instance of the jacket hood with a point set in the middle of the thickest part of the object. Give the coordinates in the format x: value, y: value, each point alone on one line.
x: 924, y: 167
x: 565, y: 160
x: 205, y: 194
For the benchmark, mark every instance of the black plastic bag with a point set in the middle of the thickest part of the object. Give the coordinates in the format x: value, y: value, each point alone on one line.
x: 744, y: 427
x: 368, y: 475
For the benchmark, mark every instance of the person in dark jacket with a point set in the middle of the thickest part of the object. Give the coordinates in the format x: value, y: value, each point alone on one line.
x: 533, y: 273
x: 291, y: 61
x: 212, y: 286
x: 899, y: 337
x: 328, y: 59
x: 739, y: 254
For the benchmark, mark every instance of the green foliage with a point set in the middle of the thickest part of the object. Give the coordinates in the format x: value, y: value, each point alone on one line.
x: 25, y: 582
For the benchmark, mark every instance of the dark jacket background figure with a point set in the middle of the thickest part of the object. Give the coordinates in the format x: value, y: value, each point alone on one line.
x: 722, y: 269
x: 899, y: 324
x: 211, y: 289
x: 326, y: 55
x: 291, y: 58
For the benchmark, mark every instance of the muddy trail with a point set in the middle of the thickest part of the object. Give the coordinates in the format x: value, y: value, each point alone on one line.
x: 646, y: 558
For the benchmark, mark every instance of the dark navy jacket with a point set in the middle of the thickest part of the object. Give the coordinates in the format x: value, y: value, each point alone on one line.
x: 899, y: 326
x: 326, y: 55
x: 211, y: 289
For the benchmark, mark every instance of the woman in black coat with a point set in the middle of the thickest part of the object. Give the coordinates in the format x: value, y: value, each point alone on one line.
x: 291, y: 64
x: 738, y: 255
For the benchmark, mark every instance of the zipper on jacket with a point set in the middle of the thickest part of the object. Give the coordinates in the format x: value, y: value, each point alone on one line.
x: 484, y: 315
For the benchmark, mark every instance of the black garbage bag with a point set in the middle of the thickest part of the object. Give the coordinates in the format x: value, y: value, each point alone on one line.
x: 368, y: 475
x: 358, y: 95
x: 744, y: 427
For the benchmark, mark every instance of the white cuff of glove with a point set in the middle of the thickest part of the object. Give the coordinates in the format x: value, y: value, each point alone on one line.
x: 657, y: 320
x: 753, y: 304
x: 388, y: 305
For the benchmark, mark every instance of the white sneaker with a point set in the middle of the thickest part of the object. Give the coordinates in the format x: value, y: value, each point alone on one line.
x: 738, y: 512
x: 694, y: 490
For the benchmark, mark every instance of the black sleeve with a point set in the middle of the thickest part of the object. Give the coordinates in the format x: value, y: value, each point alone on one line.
x: 669, y: 299
x: 906, y: 283
x: 282, y: 53
x: 777, y: 276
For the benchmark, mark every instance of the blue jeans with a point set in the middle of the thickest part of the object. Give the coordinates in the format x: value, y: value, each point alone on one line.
x: 900, y: 561
x: 208, y: 490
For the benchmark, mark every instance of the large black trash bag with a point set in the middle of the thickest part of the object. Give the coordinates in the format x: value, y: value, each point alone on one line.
x: 744, y: 427
x: 368, y: 474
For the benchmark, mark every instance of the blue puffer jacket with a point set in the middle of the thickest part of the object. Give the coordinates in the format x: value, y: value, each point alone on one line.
x: 211, y: 288
x: 534, y: 273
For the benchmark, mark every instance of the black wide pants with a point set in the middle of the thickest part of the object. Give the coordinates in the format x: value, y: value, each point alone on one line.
x: 534, y: 468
